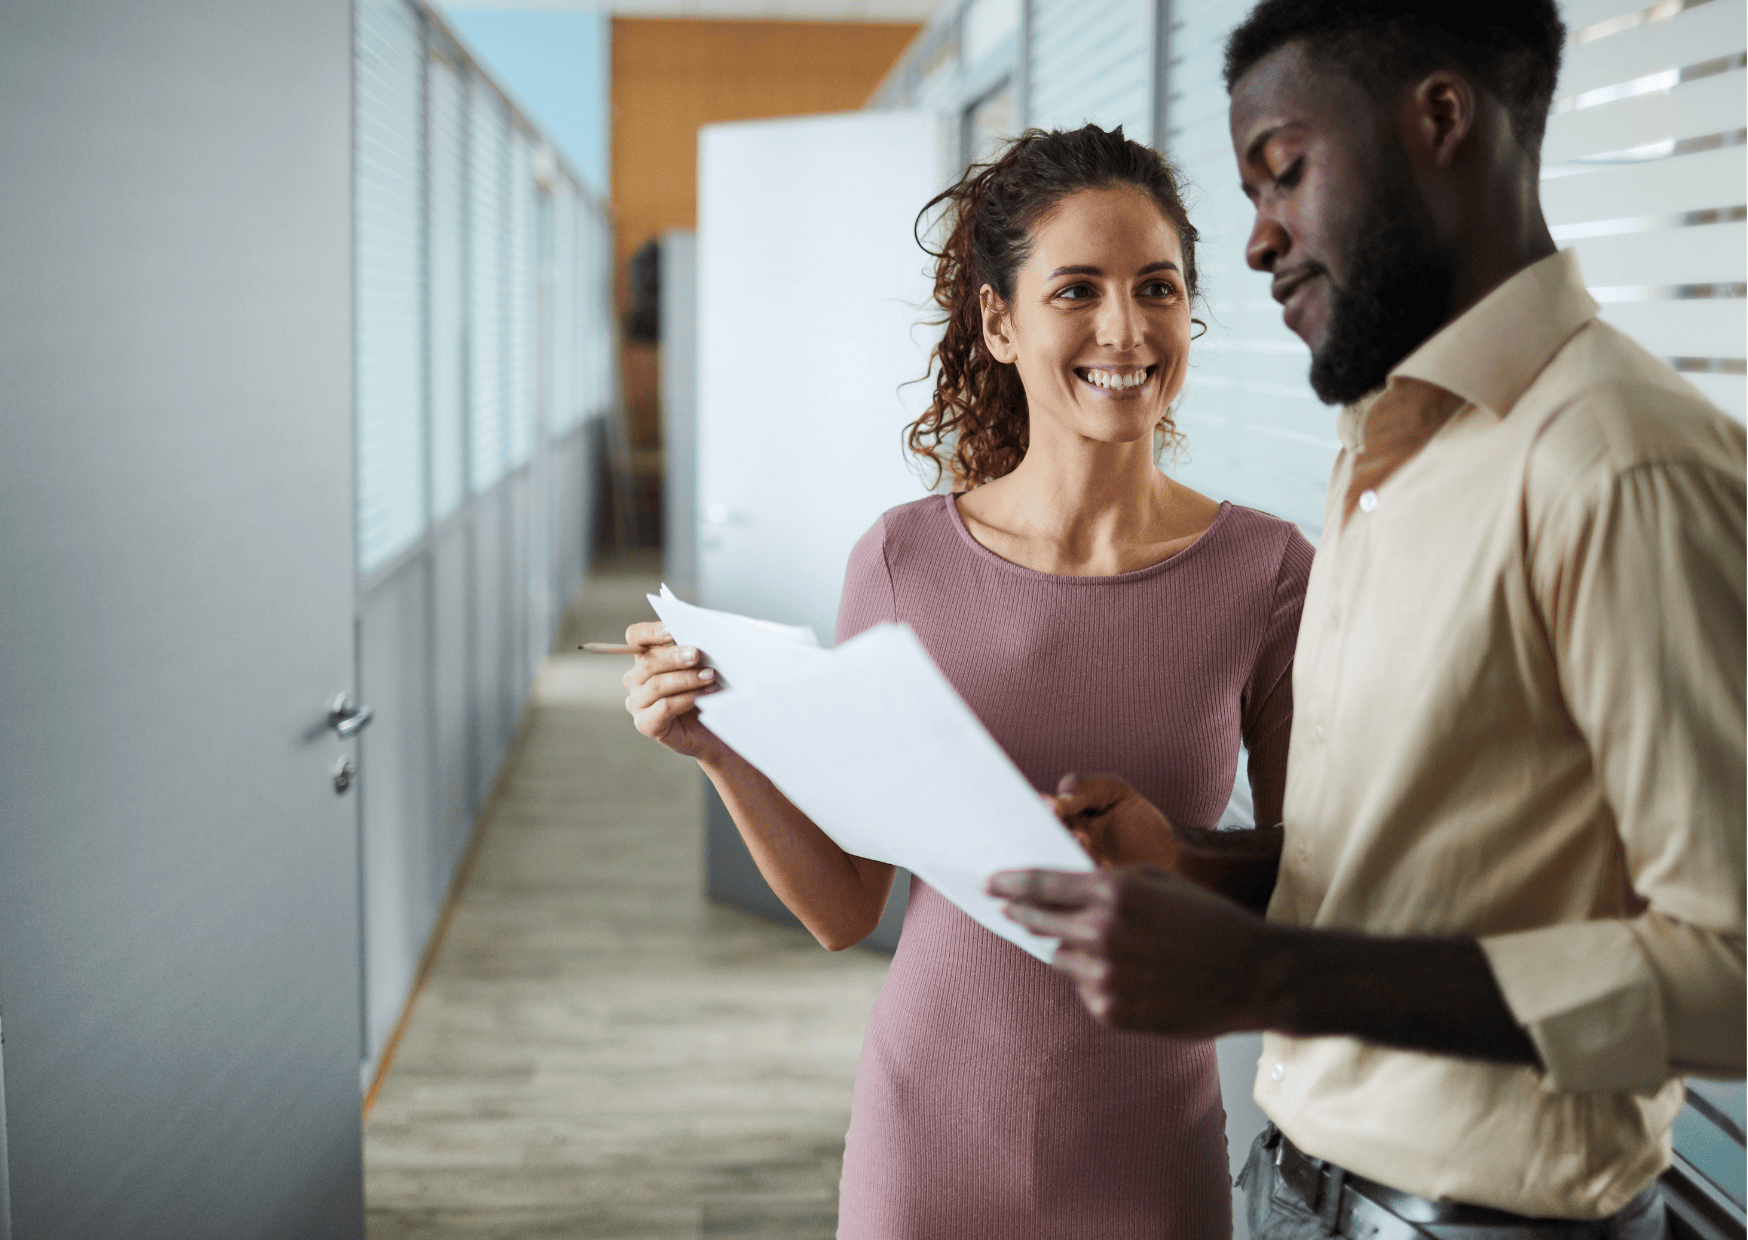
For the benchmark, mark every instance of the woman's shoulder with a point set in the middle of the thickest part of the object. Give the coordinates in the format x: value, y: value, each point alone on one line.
x: 1270, y: 546
x: 900, y: 532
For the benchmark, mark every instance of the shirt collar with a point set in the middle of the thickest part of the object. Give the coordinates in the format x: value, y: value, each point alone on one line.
x: 1492, y: 352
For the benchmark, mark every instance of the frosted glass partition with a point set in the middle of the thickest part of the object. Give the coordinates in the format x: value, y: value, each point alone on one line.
x: 388, y: 279
x: 810, y: 287
x: 488, y: 176
x: 446, y: 141
x: 1092, y: 61
x: 519, y: 372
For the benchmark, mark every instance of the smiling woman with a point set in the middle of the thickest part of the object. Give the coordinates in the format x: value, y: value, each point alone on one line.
x: 1095, y: 615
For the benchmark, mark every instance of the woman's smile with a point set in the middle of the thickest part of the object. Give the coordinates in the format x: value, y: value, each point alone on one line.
x: 1115, y: 381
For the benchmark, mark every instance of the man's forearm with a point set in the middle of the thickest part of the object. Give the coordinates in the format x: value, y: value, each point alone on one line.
x: 1420, y: 994
x: 1240, y: 865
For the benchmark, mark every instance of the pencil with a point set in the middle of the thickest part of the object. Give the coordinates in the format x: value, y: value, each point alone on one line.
x: 610, y: 648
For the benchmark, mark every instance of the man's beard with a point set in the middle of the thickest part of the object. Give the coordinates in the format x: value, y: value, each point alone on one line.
x: 1398, y: 289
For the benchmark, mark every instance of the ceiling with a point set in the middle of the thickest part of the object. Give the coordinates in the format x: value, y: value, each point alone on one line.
x: 745, y: 10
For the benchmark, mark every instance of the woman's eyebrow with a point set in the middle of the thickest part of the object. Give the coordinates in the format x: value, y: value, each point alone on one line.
x: 1163, y: 265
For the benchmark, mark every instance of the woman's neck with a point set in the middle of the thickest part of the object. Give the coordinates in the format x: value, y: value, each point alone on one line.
x: 1086, y: 509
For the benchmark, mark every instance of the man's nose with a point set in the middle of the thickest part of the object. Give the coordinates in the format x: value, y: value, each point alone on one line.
x: 1268, y: 242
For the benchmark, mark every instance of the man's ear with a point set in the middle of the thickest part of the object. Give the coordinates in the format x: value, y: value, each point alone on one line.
x: 1441, y: 114
x: 997, y: 328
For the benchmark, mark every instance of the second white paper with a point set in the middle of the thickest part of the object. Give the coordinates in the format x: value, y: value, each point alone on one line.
x: 874, y: 746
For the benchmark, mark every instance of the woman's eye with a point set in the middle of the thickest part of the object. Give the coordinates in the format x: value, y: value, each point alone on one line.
x: 1075, y: 292
x: 1159, y: 288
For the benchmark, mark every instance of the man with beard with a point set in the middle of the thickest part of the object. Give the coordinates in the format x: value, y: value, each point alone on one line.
x: 1508, y: 915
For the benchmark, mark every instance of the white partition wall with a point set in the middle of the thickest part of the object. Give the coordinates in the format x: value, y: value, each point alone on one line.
x: 810, y: 288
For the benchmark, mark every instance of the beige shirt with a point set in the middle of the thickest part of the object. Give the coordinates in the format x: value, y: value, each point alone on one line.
x: 1519, y: 716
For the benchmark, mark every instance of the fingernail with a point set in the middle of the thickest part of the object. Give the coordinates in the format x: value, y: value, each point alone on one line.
x: 708, y: 673
x: 663, y: 633
x: 1067, y: 784
x: 689, y: 655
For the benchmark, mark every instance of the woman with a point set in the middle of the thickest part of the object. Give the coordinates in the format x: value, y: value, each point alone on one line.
x: 1096, y: 615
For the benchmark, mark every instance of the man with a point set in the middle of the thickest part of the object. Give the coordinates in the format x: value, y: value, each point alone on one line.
x: 1509, y: 908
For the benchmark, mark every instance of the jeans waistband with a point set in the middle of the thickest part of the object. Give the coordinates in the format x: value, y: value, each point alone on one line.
x: 1322, y: 1185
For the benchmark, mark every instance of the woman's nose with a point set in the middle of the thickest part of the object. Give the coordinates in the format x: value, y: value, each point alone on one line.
x: 1120, y: 326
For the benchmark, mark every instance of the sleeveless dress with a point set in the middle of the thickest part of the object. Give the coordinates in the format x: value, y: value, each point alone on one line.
x: 988, y: 1103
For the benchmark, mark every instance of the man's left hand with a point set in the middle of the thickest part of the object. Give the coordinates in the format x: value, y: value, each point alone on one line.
x: 1149, y: 951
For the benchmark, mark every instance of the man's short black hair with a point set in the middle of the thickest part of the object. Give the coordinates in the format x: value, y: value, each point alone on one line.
x: 1510, y: 48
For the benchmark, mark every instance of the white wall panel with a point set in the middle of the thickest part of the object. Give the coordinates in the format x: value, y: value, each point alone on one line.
x: 779, y: 202
x: 388, y: 280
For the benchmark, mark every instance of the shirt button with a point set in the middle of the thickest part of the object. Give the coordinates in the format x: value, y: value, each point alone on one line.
x: 1317, y: 732
x: 1277, y: 1072
x: 1368, y: 500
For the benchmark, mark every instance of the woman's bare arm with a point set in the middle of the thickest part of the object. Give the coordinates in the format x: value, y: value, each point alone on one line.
x: 838, y: 897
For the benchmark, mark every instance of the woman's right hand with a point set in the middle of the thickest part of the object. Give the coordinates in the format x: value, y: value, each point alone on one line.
x: 663, y: 688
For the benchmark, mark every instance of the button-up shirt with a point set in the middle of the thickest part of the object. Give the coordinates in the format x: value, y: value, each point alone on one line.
x: 1519, y: 717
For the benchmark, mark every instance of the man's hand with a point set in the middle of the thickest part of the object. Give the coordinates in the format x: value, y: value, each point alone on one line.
x: 1118, y: 826
x: 1156, y: 953
x: 1149, y: 951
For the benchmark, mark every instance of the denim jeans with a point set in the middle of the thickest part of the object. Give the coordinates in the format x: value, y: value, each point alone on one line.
x: 1276, y: 1211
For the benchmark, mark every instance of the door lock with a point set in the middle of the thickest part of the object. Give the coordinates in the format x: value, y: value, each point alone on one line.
x: 348, y: 719
x: 343, y: 773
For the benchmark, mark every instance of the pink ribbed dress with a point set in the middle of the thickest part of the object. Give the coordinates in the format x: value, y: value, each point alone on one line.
x: 988, y: 1103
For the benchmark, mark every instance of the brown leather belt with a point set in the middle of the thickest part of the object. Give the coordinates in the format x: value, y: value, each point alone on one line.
x: 1363, y: 1209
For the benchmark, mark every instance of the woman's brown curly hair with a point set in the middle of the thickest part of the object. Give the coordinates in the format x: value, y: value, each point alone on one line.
x: 976, y: 428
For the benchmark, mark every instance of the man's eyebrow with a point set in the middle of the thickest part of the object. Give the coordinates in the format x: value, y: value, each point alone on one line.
x: 1254, y: 150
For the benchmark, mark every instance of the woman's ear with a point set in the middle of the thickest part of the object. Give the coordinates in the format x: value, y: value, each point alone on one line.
x: 997, y: 328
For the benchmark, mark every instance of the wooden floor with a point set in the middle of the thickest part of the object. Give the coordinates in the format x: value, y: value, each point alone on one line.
x: 598, y: 1051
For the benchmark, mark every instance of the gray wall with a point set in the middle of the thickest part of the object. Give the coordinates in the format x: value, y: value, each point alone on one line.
x: 449, y: 637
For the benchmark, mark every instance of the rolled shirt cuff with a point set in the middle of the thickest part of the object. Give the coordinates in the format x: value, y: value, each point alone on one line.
x: 1587, y: 996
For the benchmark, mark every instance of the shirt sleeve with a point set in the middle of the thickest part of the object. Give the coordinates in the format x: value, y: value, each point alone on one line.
x: 1268, y: 695
x: 1643, y: 593
x: 868, y: 597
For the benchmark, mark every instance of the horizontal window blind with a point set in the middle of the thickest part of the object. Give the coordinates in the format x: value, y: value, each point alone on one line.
x: 487, y: 174
x: 561, y: 409
x: 1092, y: 60
x: 519, y: 277
x: 388, y: 280
x: 1255, y: 433
x: 1644, y: 176
x: 446, y: 141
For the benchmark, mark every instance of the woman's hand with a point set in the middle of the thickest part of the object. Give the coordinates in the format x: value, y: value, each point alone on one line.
x: 1118, y: 826
x: 663, y: 688
x: 1114, y: 823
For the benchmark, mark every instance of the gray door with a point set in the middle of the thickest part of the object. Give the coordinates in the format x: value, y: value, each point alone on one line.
x: 178, y: 876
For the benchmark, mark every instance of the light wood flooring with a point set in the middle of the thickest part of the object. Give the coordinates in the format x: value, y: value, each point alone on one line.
x: 598, y: 1051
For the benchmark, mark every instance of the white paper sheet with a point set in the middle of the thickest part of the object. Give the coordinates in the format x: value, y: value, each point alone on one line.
x: 873, y: 744
x: 744, y: 651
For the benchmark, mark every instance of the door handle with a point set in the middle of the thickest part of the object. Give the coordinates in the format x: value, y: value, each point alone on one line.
x: 347, y: 719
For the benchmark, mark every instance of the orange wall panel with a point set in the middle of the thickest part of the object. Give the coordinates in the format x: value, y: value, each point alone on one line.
x: 671, y: 76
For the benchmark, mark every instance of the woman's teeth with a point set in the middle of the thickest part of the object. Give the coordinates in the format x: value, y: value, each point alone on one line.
x: 1116, y: 380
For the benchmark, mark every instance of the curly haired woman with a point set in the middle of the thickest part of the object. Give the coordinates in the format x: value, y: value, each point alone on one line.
x: 1096, y: 614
